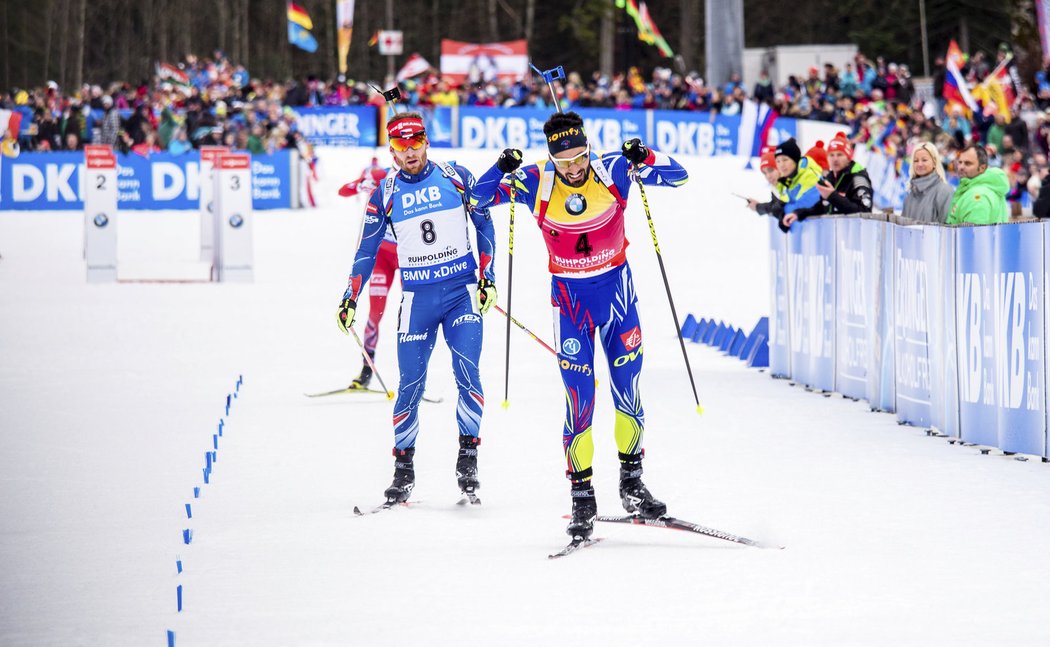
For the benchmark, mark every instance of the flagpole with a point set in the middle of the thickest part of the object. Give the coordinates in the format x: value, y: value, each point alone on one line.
x: 925, y: 43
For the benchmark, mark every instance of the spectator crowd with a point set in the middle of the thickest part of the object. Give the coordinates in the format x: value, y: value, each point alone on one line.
x: 213, y: 101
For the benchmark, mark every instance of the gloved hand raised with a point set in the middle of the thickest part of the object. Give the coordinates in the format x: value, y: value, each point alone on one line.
x: 635, y: 152
x: 486, y: 295
x: 344, y: 317
x: 509, y: 160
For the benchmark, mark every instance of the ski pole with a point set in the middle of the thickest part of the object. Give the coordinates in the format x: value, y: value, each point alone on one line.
x: 371, y: 364
x: 667, y: 286
x: 550, y: 76
x: 528, y: 332
x: 510, y: 289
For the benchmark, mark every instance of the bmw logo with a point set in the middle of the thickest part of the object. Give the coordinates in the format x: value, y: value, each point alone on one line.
x: 101, y: 220
x: 570, y: 346
x: 236, y: 220
x: 576, y: 204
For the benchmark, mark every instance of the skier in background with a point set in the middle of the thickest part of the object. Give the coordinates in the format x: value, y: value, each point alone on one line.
x: 427, y: 204
x: 578, y: 198
x: 382, y: 275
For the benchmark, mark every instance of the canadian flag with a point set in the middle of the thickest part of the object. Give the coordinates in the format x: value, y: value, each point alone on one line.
x: 414, y: 66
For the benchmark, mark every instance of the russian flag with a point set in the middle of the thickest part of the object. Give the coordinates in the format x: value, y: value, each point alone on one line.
x: 756, y: 120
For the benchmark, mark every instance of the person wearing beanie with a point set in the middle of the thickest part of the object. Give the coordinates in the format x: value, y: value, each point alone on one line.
x: 774, y: 207
x: 578, y: 199
x: 819, y: 155
x: 846, y: 187
x: 444, y: 285
x: 797, y: 186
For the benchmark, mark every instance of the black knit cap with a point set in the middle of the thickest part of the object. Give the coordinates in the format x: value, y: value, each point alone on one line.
x: 790, y: 149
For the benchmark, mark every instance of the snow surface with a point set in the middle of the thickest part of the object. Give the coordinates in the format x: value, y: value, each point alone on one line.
x: 110, y: 394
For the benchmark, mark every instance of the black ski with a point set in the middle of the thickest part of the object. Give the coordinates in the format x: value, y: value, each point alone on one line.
x: 575, y: 545
x: 679, y: 524
x: 353, y: 389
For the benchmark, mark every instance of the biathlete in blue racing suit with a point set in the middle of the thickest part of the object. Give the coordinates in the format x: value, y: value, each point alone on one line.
x: 428, y: 206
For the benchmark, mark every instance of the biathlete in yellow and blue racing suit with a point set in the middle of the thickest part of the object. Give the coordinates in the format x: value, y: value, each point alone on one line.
x: 578, y: 198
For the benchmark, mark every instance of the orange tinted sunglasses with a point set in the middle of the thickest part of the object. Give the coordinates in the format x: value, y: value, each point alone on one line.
x: 402, y: 144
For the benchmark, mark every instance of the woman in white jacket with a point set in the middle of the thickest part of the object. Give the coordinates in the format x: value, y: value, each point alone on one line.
x: 929, y: 194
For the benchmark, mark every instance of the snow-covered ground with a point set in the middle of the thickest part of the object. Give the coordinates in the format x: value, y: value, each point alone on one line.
x: 110, y: 394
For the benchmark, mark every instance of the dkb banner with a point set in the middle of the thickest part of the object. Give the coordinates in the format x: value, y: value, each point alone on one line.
x: 938, y: 245
x: 881, y: 393
x: 974, y: 281
x: 911, y: 327
x: 811, y: 288
x: 856, y: 285
x: 779, y: 335
x: 1018, y: 338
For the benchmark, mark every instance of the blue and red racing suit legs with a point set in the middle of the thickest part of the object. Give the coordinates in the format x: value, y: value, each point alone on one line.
x: 591, y: 287
x: 429, y: 214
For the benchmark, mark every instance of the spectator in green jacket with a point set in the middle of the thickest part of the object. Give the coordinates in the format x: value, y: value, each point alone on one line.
x: 981, y: 196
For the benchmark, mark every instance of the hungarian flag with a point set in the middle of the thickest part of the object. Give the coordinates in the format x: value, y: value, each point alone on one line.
x: 414, y: 66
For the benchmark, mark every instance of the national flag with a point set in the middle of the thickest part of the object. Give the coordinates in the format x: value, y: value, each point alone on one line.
x: 955, y: 88
x: 299, y: 16
x: 647, y: 30
x: 169, y: 73
x: 11, y: 120
x: 374, y: 40
x: 756, y: 120
x: 414, y: 66
x: 509, y: 59
x: 955, y: 55
x: 301, y: 38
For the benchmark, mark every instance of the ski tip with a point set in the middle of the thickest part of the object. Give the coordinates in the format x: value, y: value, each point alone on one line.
x: 699, y: 409
x: 505, y: 404
x: 358, y: 512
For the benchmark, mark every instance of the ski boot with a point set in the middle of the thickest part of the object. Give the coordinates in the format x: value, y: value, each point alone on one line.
x: 584, y: 509
x: 636, y: 498
x: 362, y: 380
x: 404, y: 476
x: 467, y: 467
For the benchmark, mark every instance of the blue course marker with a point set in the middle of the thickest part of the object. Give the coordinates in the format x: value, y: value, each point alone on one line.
x: 171, y: 638
x: 178, y: 565
x: 187, y: 535
x: 189, y: 512
x: 196, y: 492
x: 178, y: 596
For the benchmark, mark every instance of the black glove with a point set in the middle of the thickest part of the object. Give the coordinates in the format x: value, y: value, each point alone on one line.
x: 635, y: 152
x: 344, y: 317
x: 509, y: 160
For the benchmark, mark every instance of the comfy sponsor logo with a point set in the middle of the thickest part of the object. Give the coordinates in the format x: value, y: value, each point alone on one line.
x: 566, y: 365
